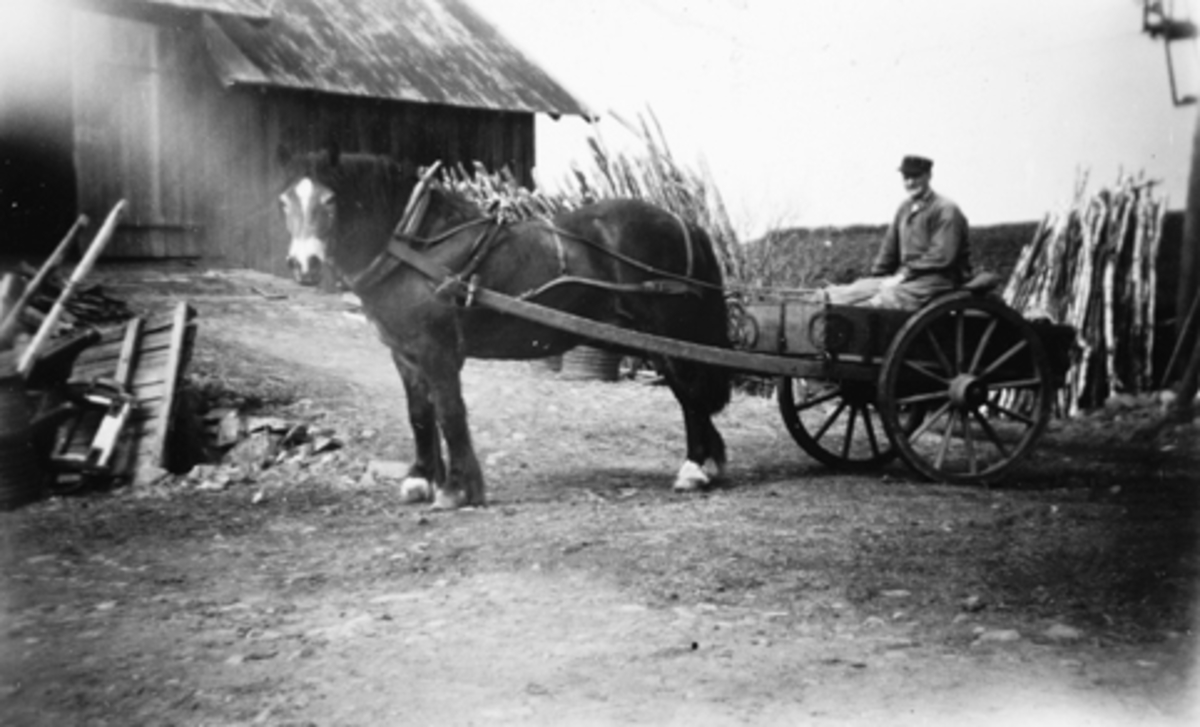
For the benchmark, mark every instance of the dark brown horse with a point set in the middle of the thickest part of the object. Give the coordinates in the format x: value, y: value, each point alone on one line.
x: 622, y: 262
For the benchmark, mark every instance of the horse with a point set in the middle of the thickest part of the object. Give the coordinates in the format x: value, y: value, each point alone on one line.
x: 622, y: 261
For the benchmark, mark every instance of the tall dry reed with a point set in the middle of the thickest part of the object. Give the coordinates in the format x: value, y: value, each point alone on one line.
x: 649, y: 171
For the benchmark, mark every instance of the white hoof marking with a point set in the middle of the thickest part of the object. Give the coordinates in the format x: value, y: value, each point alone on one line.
x: 714, y: 470
x: 444, y: 500
x: 416, y: 489
x: 691, y: 477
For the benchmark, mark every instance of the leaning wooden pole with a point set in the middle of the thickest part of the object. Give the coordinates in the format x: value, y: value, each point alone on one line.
x: 81, y: 271
x: 13, y: 317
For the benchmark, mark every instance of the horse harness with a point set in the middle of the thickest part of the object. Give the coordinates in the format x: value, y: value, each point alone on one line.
x: 404, y: 248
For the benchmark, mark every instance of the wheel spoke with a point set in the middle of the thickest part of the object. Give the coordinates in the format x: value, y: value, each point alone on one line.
x: 818, y: 400
x: 991, y: 433
x: 1010, y: 413
x: 941, y: 355
x: 946, y: 435
x: 983, y: 342
x: 1017, y: 348
x: 920, y: 368
x: 919, y: 398
x: 960, y: 343
x: 870, y: 431
x: 849, y: 437
x: 929, y: 422
x: 830, y: 420
x: 969, y: 445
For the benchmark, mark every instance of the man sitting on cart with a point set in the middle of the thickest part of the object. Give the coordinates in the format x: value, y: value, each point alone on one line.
x: 924, y: 254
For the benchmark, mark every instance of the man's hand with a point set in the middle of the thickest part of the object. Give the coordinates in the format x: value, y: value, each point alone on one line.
x: 892, y: 281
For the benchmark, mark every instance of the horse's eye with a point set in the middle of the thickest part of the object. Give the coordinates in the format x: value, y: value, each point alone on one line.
x: 327, y: 198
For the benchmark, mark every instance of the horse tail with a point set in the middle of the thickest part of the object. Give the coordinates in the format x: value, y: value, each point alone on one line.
x: 712, y: 385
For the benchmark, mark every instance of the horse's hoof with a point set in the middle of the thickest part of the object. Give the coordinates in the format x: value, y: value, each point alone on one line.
x: 416, y: 489
x: 691, y: 478
x: 446, y: 500
x: 715, y: 470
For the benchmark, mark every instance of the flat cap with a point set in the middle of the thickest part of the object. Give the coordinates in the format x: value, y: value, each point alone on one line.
x: 914, y: 166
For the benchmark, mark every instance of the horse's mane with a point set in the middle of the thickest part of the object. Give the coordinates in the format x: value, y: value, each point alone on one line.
x: 454, y: 204
x: 374, y: 181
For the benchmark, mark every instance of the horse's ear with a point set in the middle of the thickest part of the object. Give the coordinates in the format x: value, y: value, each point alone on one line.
x: 283, y: 155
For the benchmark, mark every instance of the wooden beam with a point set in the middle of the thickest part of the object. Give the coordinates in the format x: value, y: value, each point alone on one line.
x: 127, y: 358
x: 171, y: 371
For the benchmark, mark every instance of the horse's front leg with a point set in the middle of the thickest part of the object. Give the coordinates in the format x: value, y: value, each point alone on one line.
x: 428, y: 466
x: 463, y: 485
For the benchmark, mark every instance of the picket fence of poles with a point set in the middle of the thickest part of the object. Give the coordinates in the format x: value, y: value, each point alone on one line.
x: 1092, y: 266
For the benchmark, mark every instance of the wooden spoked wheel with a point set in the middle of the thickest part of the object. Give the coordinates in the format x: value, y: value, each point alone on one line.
x: 982, y: 375
x: 836, y: 422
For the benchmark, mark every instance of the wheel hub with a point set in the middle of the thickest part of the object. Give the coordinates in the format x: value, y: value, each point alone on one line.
x: 967, y: 391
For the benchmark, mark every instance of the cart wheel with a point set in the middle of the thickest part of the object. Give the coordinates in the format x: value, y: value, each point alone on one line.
x: 836, y: 422
x: 981, y: 373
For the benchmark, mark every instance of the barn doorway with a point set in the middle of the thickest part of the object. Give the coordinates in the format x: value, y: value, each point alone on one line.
x: 37, y: 177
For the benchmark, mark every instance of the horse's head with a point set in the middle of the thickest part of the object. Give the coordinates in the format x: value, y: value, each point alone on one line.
x: 309, y: 208
x: 339, y: 209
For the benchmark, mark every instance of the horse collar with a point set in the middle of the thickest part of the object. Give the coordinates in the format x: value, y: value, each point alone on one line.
x: 401, y: 250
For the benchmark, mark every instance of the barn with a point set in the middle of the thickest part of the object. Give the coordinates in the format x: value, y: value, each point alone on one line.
x: 180, y: 107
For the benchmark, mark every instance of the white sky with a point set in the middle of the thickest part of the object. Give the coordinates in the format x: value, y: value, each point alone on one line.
x: 802, y: 109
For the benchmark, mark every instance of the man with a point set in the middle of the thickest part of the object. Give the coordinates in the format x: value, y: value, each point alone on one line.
x: 924, y: 253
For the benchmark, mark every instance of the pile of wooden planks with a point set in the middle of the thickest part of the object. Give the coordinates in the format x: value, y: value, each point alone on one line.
x: 1092, y: 266
x: 145, y: 357
x: 103, y: 381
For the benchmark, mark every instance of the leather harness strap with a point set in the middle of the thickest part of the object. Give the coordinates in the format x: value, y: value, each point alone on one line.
x: 687, y: 245
x: 385, y: 262
x: 558, y: 248
x: 635, y: 263
x: 400, y: 252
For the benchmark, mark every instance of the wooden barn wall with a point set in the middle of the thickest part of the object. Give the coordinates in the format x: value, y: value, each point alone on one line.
x: 197, y: 161
x: 137, y: 117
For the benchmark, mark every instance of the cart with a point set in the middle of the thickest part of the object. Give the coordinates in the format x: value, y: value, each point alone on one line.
x: 960, y: 390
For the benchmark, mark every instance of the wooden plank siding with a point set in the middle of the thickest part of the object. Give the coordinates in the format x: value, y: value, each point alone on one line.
x: 132, y: 141
x: 197, y: 161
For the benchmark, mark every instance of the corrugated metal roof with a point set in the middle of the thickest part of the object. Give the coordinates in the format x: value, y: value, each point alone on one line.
x: 425, y: 51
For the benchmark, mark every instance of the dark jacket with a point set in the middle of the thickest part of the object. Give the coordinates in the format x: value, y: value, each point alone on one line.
x: 928, y: 236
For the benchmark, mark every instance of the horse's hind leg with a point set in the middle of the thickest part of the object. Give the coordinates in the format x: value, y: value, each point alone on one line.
x: 705, y: 452
x: 428, y: 467
x: 705, y: 446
